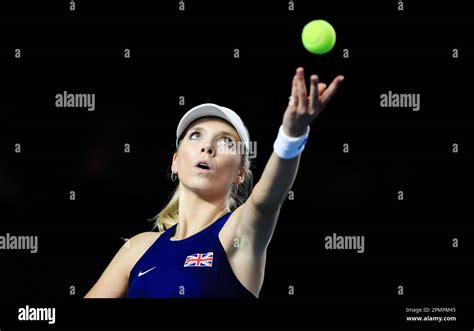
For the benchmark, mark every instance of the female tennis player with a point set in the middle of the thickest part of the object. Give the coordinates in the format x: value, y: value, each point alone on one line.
x: 213, y: 236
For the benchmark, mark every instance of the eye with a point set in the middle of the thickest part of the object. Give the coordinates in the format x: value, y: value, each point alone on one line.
x: 228, y: 141
x: 194, y: 135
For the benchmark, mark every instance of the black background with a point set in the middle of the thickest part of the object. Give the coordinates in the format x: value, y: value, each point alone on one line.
x: 190, y: 54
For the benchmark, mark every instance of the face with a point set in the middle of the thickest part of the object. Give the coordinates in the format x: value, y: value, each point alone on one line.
x: 206, y: 160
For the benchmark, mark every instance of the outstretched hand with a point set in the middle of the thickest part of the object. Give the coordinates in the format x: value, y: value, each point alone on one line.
x: 303, y: 109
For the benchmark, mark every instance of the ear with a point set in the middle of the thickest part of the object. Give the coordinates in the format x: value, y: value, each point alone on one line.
x: 240, y: 177
x: 174, y: 164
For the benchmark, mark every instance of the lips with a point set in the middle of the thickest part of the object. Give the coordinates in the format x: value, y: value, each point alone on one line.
x: 204, y: 165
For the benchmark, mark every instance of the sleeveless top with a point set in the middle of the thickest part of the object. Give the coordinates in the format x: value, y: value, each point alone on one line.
x: 194, y: 267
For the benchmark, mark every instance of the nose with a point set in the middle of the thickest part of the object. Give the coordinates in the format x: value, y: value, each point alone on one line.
x: 208, y: 149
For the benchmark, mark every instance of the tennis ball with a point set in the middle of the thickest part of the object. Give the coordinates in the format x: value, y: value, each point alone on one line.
x: 318, y: 37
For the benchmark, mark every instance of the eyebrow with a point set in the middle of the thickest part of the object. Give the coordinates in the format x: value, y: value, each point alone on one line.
x: 220, y: 132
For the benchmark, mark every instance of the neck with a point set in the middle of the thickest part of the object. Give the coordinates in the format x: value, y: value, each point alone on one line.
x: 196, y: 213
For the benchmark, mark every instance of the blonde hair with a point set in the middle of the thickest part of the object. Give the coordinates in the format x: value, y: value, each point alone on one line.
x: 238, y: 194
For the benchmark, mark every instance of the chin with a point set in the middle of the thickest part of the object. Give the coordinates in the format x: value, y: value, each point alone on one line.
x: 201, y: 185
x: 207, y: 188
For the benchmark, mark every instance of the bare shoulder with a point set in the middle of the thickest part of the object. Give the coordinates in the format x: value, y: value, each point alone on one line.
x: 144, y: 238
x: 140, y: 243
x: 135, y: 247
x: 114, y: 280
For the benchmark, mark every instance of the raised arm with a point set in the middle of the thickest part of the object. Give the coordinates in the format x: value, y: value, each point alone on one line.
x: 258, y: 216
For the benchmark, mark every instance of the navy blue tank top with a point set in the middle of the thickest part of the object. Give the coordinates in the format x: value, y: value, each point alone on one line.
x: 194, y: 267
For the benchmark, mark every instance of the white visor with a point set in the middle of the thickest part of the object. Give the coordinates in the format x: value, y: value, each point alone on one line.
x: 210, y: 109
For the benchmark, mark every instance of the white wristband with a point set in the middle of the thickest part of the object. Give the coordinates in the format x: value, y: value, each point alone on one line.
x: 288, y: 147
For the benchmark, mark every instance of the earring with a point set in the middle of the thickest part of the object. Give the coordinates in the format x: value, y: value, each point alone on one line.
x: 173, y: 176
x: 236, y: 184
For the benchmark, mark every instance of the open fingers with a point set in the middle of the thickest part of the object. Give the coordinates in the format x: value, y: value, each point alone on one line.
x: 321, y: 88
x: 331, y: 90
x: 301, y: 91
x: 314, y: 94
x: 294, y: 97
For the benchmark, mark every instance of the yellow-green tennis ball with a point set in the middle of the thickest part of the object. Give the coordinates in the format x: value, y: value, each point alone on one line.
x: 318, y: 37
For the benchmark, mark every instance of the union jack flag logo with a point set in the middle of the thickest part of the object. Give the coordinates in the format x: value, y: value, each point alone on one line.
x: 199, y: 260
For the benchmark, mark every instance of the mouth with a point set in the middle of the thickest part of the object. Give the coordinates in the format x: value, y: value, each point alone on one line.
x: 203, y: 165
